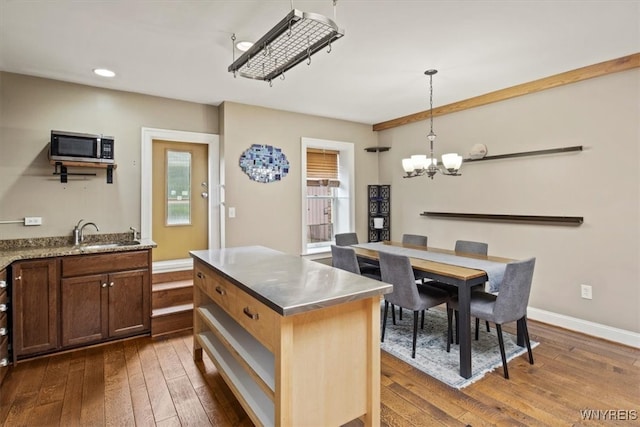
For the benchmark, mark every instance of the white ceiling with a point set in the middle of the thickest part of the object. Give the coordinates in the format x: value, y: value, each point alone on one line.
x: 181, y: 49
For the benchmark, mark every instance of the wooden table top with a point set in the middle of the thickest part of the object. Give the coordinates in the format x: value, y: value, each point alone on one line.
x: 455, y: 271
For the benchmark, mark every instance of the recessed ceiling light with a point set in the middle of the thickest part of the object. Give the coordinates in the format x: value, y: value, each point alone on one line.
x: 104, y: 72
x: 244, y: 46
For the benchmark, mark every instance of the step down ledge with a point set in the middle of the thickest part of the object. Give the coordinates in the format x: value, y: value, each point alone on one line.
x: 157, y: 287
x: 167, y: 311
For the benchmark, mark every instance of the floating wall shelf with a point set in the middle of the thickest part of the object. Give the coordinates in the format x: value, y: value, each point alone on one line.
x: 528, y: 153
x: 560, y: 220
x: 376, y: 149
x: 61, y: 169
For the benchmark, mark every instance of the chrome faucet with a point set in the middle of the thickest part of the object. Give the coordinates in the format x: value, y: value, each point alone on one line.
x: 135, y: 234
x: 78, y: 236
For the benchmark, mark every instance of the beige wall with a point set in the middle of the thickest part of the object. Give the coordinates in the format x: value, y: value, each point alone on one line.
x: 270, y: 214
x: 602, y: 184
x: 31, y: 107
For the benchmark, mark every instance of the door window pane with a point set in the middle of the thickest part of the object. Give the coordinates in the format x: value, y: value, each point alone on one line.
x: 178, y: 187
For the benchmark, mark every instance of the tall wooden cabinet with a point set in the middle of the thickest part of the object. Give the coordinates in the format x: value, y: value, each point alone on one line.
x: 379, y: 213
x: 35, y: 296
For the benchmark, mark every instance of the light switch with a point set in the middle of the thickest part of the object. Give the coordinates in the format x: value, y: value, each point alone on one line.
x: 232, y: 212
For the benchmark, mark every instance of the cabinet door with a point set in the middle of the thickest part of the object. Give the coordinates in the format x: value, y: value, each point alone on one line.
x: 35, y: 306
x: 129, y: 303
x: 84, y: 309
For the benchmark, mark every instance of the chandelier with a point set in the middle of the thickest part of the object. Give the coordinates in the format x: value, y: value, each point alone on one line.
x: 420, y: 164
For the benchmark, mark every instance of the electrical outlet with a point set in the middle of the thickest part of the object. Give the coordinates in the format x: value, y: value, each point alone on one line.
x: 585, y: 292
x: 232, y: 212
x: 32, y: 220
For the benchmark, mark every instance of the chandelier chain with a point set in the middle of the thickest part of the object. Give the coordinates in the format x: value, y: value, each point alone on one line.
x: 431, y: 100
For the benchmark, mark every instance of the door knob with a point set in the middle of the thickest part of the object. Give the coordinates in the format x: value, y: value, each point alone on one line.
x: 204, y: 194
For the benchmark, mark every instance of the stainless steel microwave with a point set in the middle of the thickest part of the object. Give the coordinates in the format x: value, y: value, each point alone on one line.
x: 81, y: 147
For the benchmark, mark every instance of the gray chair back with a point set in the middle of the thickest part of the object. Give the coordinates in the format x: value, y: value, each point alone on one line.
x: 414, y: 239
x: 469, y: 247
x: 396, y: 269
x: 344, y: 258
x: 513, y: 298
x: 346, y: 239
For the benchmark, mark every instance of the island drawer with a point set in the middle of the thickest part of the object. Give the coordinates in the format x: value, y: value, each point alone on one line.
x: 221, y: 291
x: 258, y: 319
x: 82, y: 265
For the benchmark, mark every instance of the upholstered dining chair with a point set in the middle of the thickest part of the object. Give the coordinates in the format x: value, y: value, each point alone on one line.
x: 510, y: 305
x: 348, y: 239
x: 414, y: 239
x: 396, y: 269
x: 344, y: 258
x: 469, y: 247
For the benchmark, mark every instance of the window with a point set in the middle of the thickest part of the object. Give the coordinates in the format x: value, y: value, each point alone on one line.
x: 178, y: 206
x: 327, y: 206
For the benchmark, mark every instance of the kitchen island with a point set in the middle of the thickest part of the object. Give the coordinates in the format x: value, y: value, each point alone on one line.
x: 298, y: 342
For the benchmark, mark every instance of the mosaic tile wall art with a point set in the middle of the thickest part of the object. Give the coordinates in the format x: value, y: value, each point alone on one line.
x: 264, y: 163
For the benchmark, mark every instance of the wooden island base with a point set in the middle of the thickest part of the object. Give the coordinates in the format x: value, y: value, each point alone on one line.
x: 318, y: 367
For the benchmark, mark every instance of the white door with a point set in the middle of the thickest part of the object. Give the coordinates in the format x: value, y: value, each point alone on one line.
x: 177, y: 218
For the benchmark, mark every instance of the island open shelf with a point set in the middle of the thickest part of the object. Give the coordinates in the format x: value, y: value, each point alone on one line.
x: 298, y: 342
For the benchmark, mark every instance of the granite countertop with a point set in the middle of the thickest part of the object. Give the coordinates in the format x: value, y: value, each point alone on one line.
x: 48, y: 247
x: 289, y: 284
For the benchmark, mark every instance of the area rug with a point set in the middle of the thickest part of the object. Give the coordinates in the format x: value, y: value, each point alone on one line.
x: 431, y: 347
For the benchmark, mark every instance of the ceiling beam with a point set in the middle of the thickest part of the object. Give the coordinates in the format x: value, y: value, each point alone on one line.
x: 603, y: 68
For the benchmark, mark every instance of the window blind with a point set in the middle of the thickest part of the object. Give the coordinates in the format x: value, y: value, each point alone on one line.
x: 322, y: 167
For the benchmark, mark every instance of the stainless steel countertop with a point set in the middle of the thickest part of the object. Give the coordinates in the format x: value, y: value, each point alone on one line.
x: 287, y: 283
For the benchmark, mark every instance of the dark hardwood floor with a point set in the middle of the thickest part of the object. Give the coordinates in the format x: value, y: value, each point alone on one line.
x: 147, y: 382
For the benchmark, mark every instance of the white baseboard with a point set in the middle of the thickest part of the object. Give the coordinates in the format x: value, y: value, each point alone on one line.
x: 172, y: 265
x: 621, y: 336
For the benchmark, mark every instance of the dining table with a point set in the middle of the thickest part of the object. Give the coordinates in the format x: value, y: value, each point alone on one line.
x: 462, y: 270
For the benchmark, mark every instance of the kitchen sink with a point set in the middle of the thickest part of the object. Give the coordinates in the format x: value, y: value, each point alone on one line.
x: 105, y: 245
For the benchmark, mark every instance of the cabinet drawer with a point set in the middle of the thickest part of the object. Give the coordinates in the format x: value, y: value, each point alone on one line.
x: 3, y: 296
x: 4, y: 323
x: 217, y: 288
x: 104, y: 263
x: 258, y: 319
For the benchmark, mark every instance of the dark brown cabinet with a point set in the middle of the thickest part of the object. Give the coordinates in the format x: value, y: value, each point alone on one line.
x: 35, y: 296
x: 104, y: 296
x: 70, y: 301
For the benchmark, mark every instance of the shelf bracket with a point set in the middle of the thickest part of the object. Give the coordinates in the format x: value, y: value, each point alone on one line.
x: 64, y: 173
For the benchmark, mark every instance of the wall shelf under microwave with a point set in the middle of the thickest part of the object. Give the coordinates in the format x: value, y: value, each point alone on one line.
x: 61, y: 169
